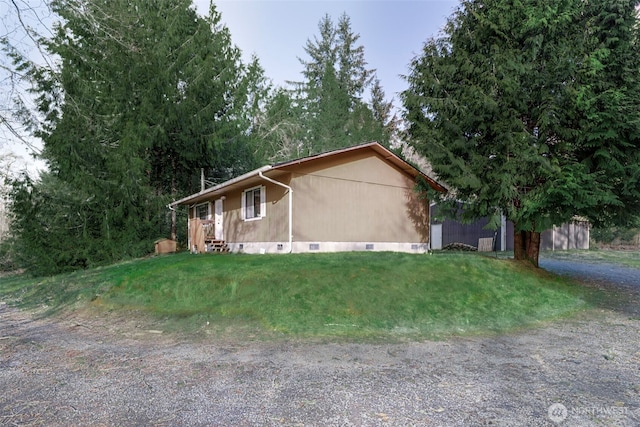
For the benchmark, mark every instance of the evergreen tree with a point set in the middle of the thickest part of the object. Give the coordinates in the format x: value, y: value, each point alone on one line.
x: 279, y: 129
x: 147, y: 93
x: 331, y: 96
x: 607, y: 116
x: 530, y: 109
x: 386, y: 124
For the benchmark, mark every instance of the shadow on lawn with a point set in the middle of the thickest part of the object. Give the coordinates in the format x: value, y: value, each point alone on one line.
x: 51, y: 295
x: 607, y: 284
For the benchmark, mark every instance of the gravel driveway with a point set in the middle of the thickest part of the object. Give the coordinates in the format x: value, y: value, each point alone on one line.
x: 622, y: 283
x: 613, y: 274
x: 88, y: 370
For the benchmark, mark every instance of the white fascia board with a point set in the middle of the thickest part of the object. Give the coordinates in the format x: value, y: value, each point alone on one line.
x: 213, y: 189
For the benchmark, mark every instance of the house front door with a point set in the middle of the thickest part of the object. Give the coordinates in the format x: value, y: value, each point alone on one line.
x: 217, y: 218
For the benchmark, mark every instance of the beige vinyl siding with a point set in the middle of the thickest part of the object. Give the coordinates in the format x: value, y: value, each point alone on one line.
x: 354, y: 199
x: 273, y: 227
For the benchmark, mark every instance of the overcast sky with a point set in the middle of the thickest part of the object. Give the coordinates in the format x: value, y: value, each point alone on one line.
x: 391, y: 31
x: 276, y: 31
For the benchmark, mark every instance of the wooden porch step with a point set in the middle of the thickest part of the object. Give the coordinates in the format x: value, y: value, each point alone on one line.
x: 214, y: 245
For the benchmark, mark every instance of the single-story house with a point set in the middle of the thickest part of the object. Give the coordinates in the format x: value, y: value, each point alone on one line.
x: 352, y: 199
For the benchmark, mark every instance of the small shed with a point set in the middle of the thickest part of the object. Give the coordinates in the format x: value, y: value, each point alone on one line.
x: 165, y: 246
x: 571, y: 235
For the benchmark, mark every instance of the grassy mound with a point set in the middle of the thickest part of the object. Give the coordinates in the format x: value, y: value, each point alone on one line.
x: 343, y: 294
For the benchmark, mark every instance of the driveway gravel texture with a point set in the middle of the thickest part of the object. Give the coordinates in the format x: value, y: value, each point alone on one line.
x: 83, y: 369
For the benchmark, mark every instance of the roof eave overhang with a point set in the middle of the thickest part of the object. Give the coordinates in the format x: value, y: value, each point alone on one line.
x: 388, y: 155
x: 408, y: 168
x: 220, y: 188
x: 385, y: 153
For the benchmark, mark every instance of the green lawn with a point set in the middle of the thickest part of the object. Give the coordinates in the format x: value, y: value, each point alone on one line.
x: 344, y: 294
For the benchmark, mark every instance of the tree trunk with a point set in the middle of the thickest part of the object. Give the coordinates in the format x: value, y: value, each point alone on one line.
x: 174, y: 228
x: 174, y: 192
x: 526, y: 246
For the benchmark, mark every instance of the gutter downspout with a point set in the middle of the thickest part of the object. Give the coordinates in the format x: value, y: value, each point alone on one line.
x: 189, y: 243
x: 290, y: 206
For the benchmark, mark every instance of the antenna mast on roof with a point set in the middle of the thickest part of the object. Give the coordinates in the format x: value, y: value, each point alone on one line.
x: 204, y: 182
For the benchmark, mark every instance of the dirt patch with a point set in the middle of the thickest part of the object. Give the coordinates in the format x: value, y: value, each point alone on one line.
x: 96, y: 370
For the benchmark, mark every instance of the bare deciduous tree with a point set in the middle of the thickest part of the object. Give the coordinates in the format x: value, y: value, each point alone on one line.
x: 23, y: 23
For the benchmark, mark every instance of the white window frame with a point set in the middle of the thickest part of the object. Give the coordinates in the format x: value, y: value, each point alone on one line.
x: 263, y: 203
x: 195, y: 210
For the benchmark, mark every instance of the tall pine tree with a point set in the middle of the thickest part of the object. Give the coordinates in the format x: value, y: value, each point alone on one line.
x: 336, y: 79
x: 530, y: 109
x: 147, y: 93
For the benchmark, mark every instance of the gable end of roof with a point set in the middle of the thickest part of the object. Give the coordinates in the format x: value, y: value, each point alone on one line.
x: 383, y: 152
